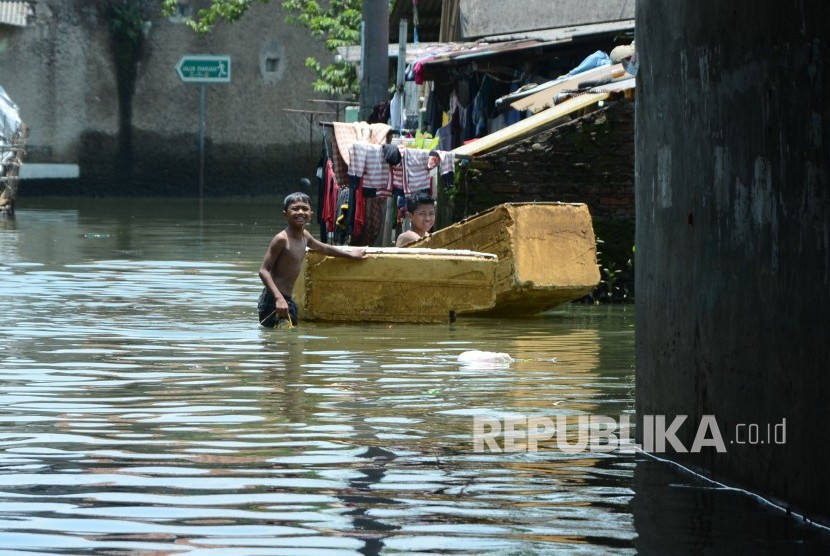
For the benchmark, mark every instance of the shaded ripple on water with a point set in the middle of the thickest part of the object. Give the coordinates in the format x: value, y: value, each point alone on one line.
x: 142, y: 411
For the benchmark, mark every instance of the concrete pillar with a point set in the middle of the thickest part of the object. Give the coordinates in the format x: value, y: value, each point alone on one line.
x: 374, y: 81
x: 733, y: 237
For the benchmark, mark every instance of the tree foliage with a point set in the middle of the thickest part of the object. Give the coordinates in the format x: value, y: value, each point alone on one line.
x: 127, y: 22
x: 336, y: 22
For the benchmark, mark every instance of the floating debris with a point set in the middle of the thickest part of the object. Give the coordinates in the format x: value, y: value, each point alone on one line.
x: 13, y: 136
x: 476, y: 356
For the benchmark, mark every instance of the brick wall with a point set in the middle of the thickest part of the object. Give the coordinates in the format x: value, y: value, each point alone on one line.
x: 589, y: 159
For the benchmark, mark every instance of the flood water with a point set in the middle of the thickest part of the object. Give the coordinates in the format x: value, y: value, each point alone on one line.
x: 144, y: 411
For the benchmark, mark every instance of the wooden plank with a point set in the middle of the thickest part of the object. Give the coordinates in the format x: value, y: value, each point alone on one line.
x: 528, y: 125
x: 544, y: 98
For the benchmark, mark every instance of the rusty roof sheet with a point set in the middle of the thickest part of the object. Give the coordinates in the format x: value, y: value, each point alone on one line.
x: 434, y: 55
x: 15, y: 13
x: 457, y: 52
x: 413, y: 51
x: 567, y: 33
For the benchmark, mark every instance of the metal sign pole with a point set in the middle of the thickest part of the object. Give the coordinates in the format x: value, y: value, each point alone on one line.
x: 201, y: 140
x: 203, y: 69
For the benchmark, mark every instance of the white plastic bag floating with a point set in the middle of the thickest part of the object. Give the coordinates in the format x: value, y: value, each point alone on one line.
x: 487, y: 357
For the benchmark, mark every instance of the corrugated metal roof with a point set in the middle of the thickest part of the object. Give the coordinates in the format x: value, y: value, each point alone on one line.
x: 15, y: 13
x: 488, y: 18
x: 438, y: 57
x: 551, y: 38
x: 567, y: 33
x: 413, y: 51
x: 471, y: 51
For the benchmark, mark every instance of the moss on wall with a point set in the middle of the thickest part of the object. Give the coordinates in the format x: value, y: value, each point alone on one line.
x: 127, y: 22
x: 588, y: 159
x: 615, y: 255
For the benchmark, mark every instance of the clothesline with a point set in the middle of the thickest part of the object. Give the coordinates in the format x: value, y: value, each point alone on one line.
x: 392, y: 132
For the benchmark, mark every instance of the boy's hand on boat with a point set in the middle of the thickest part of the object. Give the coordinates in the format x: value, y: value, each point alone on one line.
x: 359, y: 253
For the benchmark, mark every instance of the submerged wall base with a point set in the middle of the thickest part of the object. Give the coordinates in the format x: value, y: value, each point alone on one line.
x: 733, y: 238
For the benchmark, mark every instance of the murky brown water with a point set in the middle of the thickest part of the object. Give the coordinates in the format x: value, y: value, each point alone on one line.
x: 143, y: 411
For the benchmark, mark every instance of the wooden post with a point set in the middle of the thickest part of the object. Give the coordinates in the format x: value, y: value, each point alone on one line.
x: 400, y: 78
x: 389, y: 206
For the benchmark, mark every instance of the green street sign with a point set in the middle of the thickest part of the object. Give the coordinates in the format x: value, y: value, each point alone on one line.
x: 202, y: 68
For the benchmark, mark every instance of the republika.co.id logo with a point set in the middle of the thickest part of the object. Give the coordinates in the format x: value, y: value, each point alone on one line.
x: 600, y: 433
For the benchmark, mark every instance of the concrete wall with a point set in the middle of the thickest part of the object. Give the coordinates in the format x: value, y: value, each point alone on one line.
x: 480, y: 18
x: 733, y: 235
x: 61, y: 72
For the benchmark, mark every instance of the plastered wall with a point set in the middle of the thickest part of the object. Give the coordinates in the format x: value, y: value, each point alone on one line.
x: 733, y: 237
x: 61, y: 72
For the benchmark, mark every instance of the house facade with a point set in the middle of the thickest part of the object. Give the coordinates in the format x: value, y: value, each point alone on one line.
x: 491, y: 51
x: 477, y: 56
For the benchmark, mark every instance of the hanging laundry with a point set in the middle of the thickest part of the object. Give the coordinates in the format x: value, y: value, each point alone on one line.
x: 330, y: 195
x: 432, y: 117
x: 481, y: 105
x: 346, y: 221
x: 415, y: 171
x: 444, y: 135
x: 320, y: 209
x: 370, y: 175
x: 595, y: 60
x: 346, y: 134
x: 391, y: 154
x: 446, y: 168
x: 368, y: 165
x: 373, y: 220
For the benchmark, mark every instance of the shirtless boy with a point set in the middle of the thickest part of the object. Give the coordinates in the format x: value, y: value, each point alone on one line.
x: 285, y: 254
x: 421, y: 209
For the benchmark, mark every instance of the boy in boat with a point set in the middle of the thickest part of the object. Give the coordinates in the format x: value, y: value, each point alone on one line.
x: 285, y: 254
x: 421, y: 210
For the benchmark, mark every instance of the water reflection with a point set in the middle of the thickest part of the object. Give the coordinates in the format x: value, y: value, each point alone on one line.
x: 143, y: 411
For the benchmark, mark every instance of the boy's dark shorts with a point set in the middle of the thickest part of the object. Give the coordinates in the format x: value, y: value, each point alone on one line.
x: 266, y: 306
